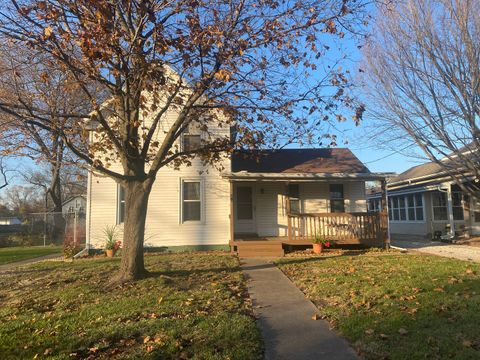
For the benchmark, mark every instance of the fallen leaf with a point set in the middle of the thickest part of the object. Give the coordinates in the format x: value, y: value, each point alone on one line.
x: 315, y: 317
x: 439, y: 289
x: 369, y: 332
x: 384, y: 336
x: 467, y: 343
x: 403, y: 331
x: 47, y: 351
x: 146, y: 339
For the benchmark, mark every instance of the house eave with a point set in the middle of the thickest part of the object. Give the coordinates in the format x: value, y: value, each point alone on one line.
x: 248, y: 176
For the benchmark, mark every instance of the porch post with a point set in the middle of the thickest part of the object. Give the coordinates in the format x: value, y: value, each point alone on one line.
x: 450, y: 209
x: 232, y: 235
x: 383, y: 218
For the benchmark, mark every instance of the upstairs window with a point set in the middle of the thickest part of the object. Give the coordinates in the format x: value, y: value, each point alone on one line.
x: 294, y: 198
x: 191, y: 201
x: 190, y: 140
x: 337, y: 200
x: 120, y: 204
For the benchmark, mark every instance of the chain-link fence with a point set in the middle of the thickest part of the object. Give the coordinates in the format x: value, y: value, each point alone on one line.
x: 52, y: 228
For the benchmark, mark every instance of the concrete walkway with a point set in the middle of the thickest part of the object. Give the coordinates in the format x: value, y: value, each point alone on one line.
x: 11, y: 266
x: 285, y: 318
x: 461, y: 252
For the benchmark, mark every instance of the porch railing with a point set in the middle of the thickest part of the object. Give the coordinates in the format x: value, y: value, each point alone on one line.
x: 346, y: 228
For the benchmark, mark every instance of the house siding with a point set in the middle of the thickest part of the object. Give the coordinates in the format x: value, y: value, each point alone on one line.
x: 163, y: 224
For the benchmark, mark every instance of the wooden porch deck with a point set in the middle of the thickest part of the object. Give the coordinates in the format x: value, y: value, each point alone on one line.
x: 369, y: 229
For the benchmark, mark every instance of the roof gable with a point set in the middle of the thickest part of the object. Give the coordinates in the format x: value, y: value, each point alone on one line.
x: 289, y: 161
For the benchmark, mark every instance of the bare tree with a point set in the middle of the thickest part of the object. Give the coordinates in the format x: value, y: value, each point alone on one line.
x: 422, y: 71
x: 258, y: 67
x: 35, y: 90
x: 3, y: 174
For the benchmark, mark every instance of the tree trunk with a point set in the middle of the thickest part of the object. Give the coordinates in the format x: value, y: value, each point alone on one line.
x: 136, y: 202
x: 58, y: 231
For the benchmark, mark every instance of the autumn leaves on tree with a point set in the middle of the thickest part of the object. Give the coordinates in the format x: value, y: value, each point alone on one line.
x: 257, y: 67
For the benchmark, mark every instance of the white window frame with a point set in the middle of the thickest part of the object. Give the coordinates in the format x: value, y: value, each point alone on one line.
x: 376, y: 202
x: 462, y: 205
x: 432, y: 208
x: 407, y: 217
x: 202, y: 201
x: 119, y: 201
x: 187, y: 132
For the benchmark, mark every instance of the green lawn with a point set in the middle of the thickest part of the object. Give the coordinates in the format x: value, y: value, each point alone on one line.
x: 12, y: 254
x: 195, y: 306
x: 396, y: 306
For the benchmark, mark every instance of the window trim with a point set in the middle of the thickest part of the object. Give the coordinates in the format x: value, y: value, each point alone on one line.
x: 405, y: 197
x: 462, y: 205
x: 465, y: 218
x: 432, y: 207
x: 202, y: 201
x: 335, y: 199
x: 290, y: 198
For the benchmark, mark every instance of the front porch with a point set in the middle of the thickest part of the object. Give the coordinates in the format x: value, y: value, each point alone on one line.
x: 361, y: 228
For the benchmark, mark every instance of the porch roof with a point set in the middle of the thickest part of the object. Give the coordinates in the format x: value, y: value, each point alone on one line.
x: 299, y: 165
x: 298, y: 161
x: 252, y: 176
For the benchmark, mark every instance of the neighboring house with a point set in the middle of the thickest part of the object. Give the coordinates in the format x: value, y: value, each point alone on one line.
x: 10, y: 221
x: 75, y: 204
x: 424, y: 203
x: 278, y: 195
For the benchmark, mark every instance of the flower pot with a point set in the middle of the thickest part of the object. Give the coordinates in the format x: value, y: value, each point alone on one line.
x: 317, y: 248
x: 110, y: 253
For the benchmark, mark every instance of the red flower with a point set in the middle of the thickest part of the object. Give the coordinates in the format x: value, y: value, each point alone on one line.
x: 327, y: 244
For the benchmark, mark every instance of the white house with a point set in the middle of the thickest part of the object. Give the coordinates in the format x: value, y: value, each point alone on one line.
x: 75, y: 204
x: 276, y: 197
x: 424, y: 203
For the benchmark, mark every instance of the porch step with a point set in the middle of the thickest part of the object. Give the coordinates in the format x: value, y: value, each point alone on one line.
x: 259, y: 249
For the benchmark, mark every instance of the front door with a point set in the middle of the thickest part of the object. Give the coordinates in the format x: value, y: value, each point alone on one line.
x: 245, y: 209
x: 475, y: 216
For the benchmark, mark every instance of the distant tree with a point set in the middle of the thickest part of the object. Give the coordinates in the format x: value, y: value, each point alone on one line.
x: 23, y: 200
x: 35, y: 90
x: 73, y: 181
x: 258, y: 67
x: 422, y: 71
x: 3, y: 174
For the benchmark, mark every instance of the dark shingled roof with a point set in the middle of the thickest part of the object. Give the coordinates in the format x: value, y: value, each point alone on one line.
x: 298, y: 161
x: 430, y: 168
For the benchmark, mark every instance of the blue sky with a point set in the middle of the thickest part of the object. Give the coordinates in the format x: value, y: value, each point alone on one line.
x: 376, y: 159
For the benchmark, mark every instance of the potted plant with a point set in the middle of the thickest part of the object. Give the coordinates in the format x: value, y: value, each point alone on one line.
x: 319, y: 243
x: 111, y: 242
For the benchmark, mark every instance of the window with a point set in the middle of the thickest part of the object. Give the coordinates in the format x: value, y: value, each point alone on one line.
x: 457, y: 205
x: 439, y: 204
x: 337, y: 201
x: 120, y: 204
x: 406, y: 208
x: 294, y: 198
x: 373, y: 205
x: 191, y: 201
x: 191, y: 142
